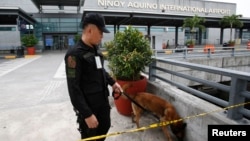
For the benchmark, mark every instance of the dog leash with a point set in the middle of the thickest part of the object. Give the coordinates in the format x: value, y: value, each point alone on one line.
x: 132, y: 100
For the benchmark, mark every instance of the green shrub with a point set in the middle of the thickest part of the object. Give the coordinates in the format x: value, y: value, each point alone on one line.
x: 128, y: 54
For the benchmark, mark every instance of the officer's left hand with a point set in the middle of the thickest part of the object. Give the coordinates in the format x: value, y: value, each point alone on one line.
x: 117, y: 88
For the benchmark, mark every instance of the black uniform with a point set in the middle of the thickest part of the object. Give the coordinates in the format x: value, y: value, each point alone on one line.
x: 88, y: 87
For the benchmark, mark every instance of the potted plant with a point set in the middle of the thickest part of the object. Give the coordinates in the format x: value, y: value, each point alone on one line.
x: 231, y: 22
x: 29, y: 41
x: 128, y: 55
x: 231, y: 43
x: 193, y: 23
x: 190, y: 43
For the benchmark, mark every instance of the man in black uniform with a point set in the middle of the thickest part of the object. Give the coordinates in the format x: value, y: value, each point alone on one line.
x: 87, y: 79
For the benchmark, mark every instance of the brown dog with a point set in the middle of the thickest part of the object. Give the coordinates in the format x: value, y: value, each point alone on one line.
x: 161, y: 108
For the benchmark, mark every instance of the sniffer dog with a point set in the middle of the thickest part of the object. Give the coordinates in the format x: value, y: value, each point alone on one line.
x: 164, y: 110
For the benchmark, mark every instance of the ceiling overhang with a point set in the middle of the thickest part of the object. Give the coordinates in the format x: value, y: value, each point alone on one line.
x: 60, y: 3
x: 151, y: 19
x: 9, y: 15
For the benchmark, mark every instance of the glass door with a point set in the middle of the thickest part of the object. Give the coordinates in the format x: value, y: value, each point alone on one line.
x: 59, y: 41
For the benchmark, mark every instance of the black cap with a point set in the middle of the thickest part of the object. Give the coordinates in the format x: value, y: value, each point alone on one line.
x: 96, y: 19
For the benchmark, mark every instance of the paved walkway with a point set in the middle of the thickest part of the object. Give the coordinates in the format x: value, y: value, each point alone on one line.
x: 35, y: 105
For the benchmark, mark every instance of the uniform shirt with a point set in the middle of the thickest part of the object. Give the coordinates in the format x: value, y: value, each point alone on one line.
x: 86, y: 78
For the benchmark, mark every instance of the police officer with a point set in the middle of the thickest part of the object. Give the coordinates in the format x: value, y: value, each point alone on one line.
x: 88, y: 81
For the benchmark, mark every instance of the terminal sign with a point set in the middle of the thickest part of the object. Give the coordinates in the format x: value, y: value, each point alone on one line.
x: 166, y: 7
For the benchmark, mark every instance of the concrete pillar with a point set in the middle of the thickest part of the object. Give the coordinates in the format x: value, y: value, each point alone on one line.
x: 221, y: 35
x: 240, y: 34
x: 200, y: 37
x: 115, y: 29
x: 176, y: 35
x: 148, y: 30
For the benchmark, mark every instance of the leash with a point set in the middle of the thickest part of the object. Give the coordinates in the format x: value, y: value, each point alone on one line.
x: 136, y: 103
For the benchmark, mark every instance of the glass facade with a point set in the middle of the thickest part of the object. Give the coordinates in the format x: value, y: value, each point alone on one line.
x: 57, y: 31
x: 57, y: 25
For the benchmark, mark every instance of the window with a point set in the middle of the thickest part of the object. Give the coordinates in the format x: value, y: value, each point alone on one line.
x: 7, y: 28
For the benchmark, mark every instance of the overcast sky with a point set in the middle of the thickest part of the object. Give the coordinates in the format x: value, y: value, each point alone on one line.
x: 243, y: 6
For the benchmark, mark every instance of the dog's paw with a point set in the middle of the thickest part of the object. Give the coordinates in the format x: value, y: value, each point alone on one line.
x: 133, y: 118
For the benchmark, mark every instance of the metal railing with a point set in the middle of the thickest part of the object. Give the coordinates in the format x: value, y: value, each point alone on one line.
x: 237, y: 89
x: 185, y: 53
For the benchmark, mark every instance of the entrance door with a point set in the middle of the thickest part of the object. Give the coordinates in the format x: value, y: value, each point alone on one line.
x: 59, y: 41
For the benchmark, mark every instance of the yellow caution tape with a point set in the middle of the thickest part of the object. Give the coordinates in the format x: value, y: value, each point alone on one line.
x: 165, y: 123
x: 10, y: 57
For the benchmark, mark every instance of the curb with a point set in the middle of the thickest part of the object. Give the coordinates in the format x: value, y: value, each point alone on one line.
x: 8, y: 57
x: 14, y: 57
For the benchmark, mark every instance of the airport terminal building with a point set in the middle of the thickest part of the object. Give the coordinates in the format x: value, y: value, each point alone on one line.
x: 56, y: 22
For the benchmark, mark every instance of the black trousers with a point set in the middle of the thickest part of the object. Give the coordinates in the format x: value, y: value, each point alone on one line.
x: 103, y: 116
